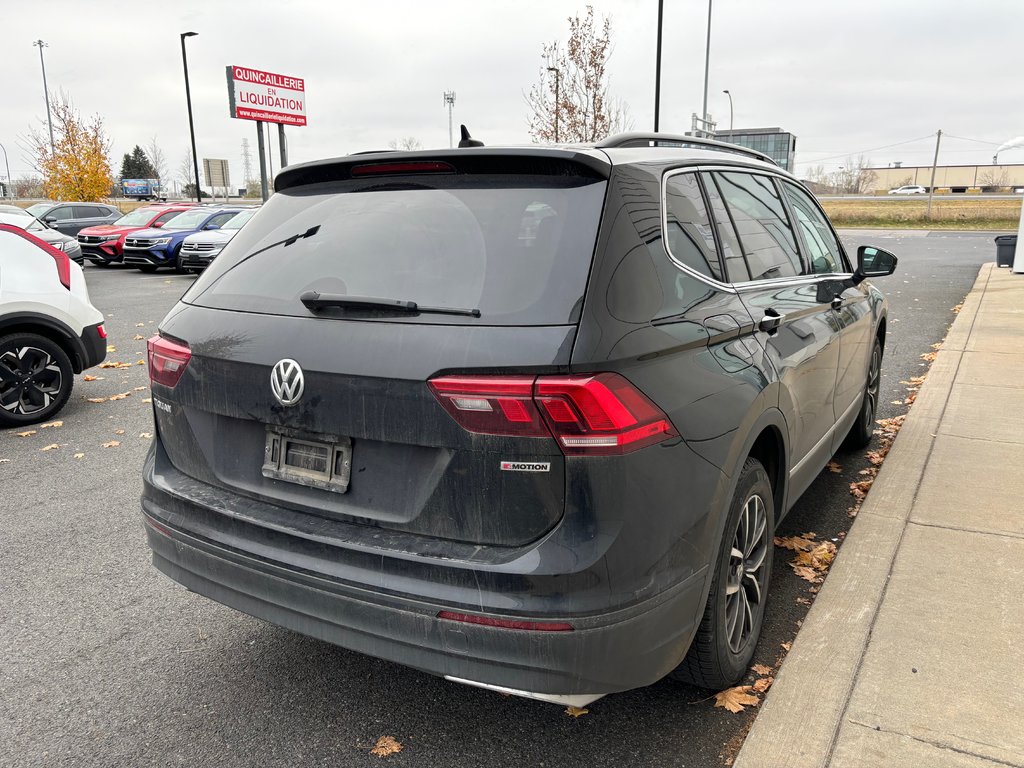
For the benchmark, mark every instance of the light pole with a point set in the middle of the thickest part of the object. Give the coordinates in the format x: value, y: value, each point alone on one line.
x: 449, y: 101
x: 46, y: 90
x: 7, y: 186
x: 558, y: 103
x: 191, y: 126
x: 657, y: 69
x: 730, y: 111
x: 707, y: 62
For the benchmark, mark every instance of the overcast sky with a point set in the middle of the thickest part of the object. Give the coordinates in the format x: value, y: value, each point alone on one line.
x: 847, y: 78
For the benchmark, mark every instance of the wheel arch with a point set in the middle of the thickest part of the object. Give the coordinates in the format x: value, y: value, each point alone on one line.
x: 51, y: 329
x: 766, y: 442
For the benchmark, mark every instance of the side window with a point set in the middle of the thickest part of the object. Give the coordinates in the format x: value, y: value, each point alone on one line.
x: 88, y: 212
x: 819, y: 240
x: 166, y: 217
x: 688, y: 236
x: 220, y: 219
x: 60, y: 213
x: 762, y: 225
x: 736, y: 270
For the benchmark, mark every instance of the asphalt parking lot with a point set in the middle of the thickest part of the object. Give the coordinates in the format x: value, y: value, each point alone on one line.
x: 106, y: 662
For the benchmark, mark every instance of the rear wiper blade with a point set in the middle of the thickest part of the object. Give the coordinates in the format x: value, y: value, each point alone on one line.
x: 315, y: 300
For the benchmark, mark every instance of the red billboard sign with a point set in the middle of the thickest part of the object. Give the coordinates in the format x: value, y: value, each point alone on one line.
x: 257, y: 95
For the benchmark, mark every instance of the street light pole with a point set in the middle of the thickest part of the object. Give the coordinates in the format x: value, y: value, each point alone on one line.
x: 707, y: 63
x: 449, y: 101
x: 657, y: 69
x: 730, y: 110
x: 558, y: 103
x: 46, y: 90
x: 7, y: 186
x: 191, y: 125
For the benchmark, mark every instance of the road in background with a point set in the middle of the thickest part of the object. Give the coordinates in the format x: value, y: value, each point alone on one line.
x: 106, y: 662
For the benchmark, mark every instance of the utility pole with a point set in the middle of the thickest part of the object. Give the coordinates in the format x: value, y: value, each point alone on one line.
x: 935, y: 162
x: 46, y: 90
x: 558, y: 103
x: 283, y: 144
x: 707, y: 64
x: 657, y: 69
x: 449, y: 100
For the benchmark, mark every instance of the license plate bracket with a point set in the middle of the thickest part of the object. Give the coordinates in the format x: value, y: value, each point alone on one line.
x: 315, y: 461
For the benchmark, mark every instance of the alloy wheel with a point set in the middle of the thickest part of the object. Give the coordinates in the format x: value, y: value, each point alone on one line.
x: 30, y: 380
x: 747, y: 576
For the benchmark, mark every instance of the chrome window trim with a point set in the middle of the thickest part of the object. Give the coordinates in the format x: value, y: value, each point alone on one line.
x: 748, y: 285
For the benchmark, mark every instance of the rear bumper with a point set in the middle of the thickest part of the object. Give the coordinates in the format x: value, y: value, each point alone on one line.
x: 604, y: 653
x: 94, y: 345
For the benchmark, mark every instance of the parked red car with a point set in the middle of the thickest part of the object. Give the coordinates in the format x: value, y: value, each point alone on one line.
x: 103, y: 245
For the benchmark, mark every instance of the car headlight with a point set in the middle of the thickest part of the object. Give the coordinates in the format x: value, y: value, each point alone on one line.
x: 162, y: 241
x: 62, y: 246
x: 108, y: 238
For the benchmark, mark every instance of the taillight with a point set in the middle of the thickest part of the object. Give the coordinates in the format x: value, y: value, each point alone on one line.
x: 410, y: 166
x: 101, y: 331
x: 600, y: 414
x: 491, y: 405
x: 167, y: 360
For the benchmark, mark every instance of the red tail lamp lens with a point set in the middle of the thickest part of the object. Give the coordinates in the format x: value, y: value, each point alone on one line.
x: 601, y: 414
x: 491, y: 405
x: 167, y: 360
x: 487, y: 621
x: 392, y: 169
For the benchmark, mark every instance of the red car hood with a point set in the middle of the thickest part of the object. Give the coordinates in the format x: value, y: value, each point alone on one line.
x: 109, y: 229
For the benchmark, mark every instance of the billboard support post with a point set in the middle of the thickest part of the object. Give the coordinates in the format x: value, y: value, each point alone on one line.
x: 263, y: 159
x: 283, y: 144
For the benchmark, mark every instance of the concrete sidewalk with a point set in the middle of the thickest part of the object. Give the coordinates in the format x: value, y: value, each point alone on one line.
x: 913, y: 652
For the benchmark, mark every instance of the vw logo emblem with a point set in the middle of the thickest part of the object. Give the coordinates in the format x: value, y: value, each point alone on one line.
x: 287, y: 382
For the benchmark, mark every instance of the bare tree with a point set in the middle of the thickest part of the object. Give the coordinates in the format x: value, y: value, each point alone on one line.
x: 28, y: 186
x: 995, y: 178
x: 157, y: 159
x: 186, y: 170
x: 854, y: 178
x: 408, y: 143
x: 570, y: 101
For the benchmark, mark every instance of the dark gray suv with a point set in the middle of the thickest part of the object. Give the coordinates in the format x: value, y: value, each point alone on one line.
x: 71, y: 218
x: 522, y: 417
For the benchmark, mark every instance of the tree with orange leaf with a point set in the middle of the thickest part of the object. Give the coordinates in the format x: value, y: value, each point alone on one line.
x: 78, y: 167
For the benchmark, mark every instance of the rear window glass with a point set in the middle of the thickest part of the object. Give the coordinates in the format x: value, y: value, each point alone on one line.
x: 518, y: 248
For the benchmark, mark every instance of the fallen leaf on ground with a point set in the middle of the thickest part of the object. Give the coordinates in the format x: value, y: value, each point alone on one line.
x: 803, y: 600
x: 786, y: 646
x: 89, y: 377
x: 27, y: 433
x: 95, y: 399
x: 138, y: 337
x: 956, y: 310
x: 146, y: 435
x: 111, y: 444
x: 804, y: 572
x: 860, y: 489
x: 576, y: 711
x: 120, y: 396
x: 147, y: 400
x: 52, y: 424
x: 763, y: 684
x: 112, y: 364
x: 140, y: 362
x: 50, y: 447
x: 79, y: 456
x: 896, y: 402
x: 5, y: 461
x: 140, y: 325
x: 118, y: 431
x: 736, y: 699
x: 386, y: 745
x: 833, y: 467
x: 796, y: 543
x: 760, y: 669
x: 929, y: 357
x: 111, y: 348
x: 140, y: 389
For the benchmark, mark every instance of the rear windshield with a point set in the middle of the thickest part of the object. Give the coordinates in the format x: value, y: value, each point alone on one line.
x: 517, y: 248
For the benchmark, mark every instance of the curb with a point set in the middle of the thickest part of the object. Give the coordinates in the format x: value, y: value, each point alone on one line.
x: 800, y: 719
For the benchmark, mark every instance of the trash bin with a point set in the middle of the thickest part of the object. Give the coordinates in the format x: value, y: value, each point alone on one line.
x: 1006, y: 245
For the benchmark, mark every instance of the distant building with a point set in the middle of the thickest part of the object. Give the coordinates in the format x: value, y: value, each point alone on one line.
x: 778, y: 144
x: 951, y: 178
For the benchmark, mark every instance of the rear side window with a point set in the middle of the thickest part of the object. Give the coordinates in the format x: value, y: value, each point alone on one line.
x: 820, y: 243
x: 518, y: 248
x: 732, y: 252
x: 88, y: 212
x: 166, y: 217
x: 761, y: 223
x: 688, y: 234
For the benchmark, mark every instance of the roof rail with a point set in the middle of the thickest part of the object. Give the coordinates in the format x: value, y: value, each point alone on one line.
x: 643, y: 139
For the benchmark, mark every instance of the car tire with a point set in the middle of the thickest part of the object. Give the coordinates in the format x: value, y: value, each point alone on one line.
x: 723, y: 647
x: 147, y: 268
x: 863, y: 428
x: 47, y: 387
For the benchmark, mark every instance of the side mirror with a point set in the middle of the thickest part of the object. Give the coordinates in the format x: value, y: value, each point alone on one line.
x: 50, y: 219
x: 157, y: 224
x: 212, y: 226
x: 873, y: 262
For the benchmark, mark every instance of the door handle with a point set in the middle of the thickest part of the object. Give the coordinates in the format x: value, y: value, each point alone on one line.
x: 837, y: 303
x: 771, y: 321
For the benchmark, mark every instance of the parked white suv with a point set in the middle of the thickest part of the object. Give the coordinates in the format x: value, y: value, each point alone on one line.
x: 909, y: 189
x: 49, y: 331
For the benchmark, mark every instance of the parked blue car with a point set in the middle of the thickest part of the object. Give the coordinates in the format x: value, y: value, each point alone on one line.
x: 150, y: 249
